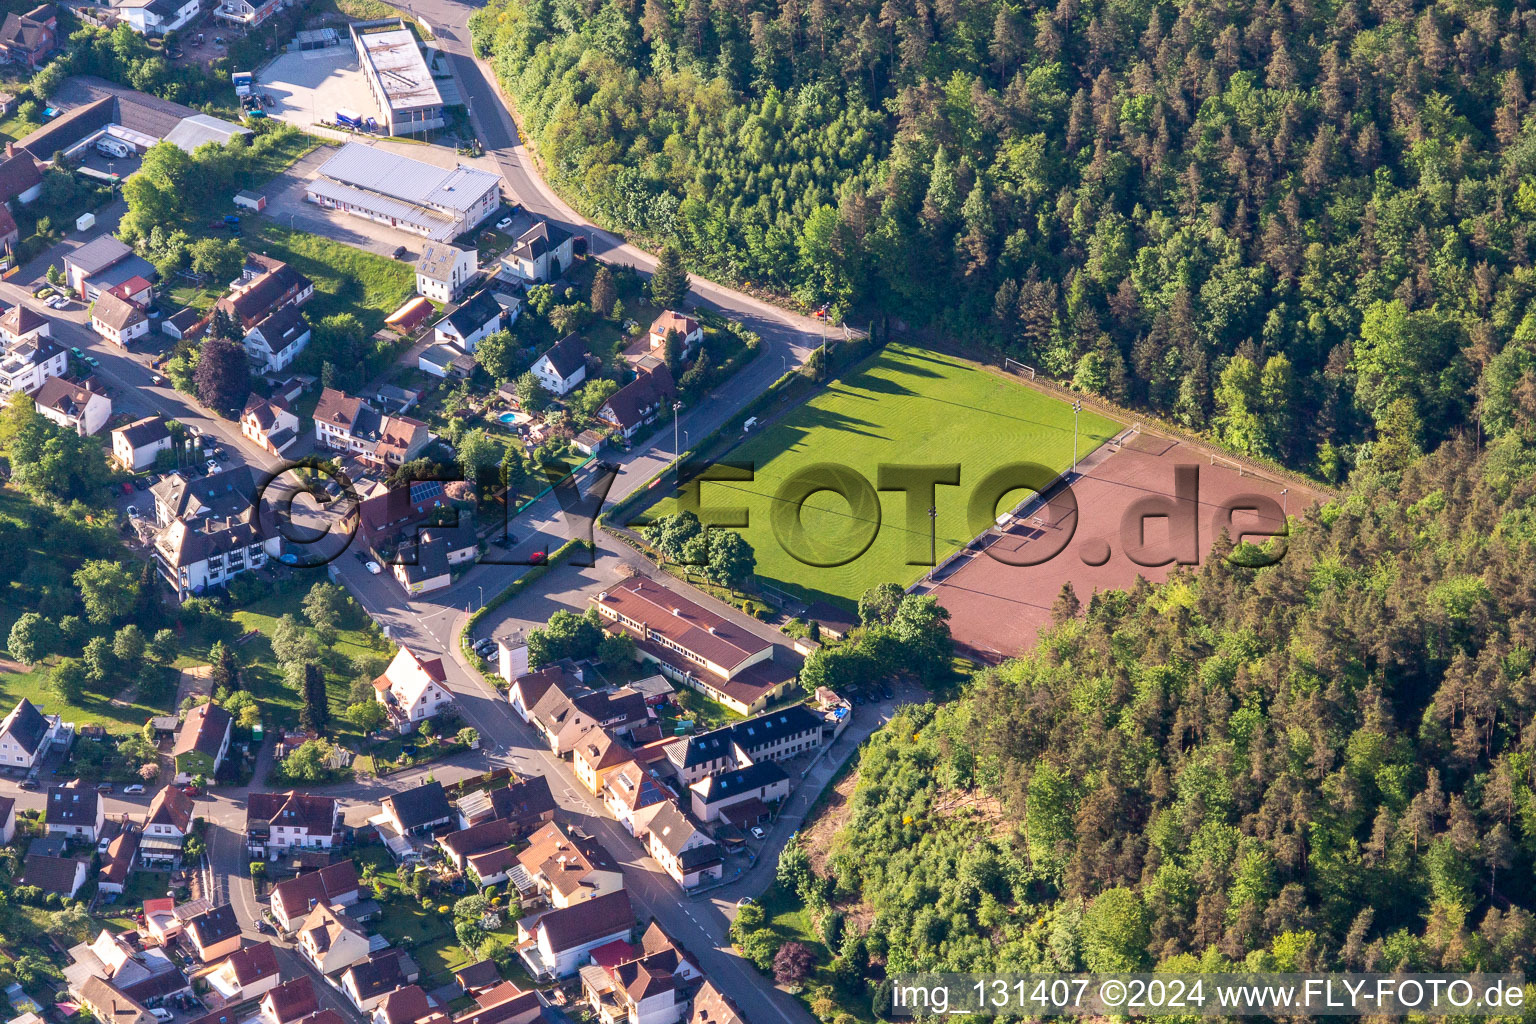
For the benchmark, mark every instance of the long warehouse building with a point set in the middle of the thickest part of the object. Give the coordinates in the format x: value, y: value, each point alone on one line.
x: 407, y: 194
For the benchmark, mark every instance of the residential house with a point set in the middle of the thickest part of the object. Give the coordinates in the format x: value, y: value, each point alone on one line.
x: 418, y: 810
x: 161, y: 926
x: 156, y: 17
x: 20, y: 179
x: 413, y: 689
x: 555, y: 943
x: 690, y: 334
x: 597, y: 753
x: 29, y: 39
x: 10, y: 234
x: 331, y: 941
x: 202, y: 742
x: 683, y: 850
x: 425, y: 562
x: 165, y: 826
x: 647, y: 985
x: 479, y: 316
x: 110, y: 1005
x: 526, y: 803
x: 246, y: 13
x: 352, y: 425
x: 367, y: 982
x: 541, y: 253
x: 7, y: 820
x: 269, y: 423
x: 77, y: 407
x: 210, y: 530
x: 249, y: 973
x: 117, y: 861
x: 640, y: 402
x: 289, y: 1002
x: 774, y: 736
x: 566, y: 870
x: 507, y: 1004
x: 741, y: 794
x: 694, y: 646
x: 265, y: 285
x: 443, y: 269
x: 62, y: 875
x: 138, y: 290
x: 104, y: 262
x: 563, y: 366
x: 26, y: 735
x: 629, y: 790
x: 25, y: 363
x: 335, y: 885
x: 711, y: 1006
x: 279, y: 822
x: 117, y: 319
x: 135, y: 445
x: 273, y: 342
x: 528, y: 688
x: 214, y: 933
x: 466, y: 842
x: 74, y: 812
x: 405, y: 1005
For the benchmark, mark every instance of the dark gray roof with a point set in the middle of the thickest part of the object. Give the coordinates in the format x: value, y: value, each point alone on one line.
x: 421, y: 806
x: 26, y: 725
x: 97, y: 255
x: 379, y: 975
x: 477, y: 311
x: 540, y: 239
x: 567, y: 355
x: 766, y: 730
x: 701, y: 748
x: 727, y: 784
x: 131, y: 109
x: 70, y: 805
x: 214, y: 926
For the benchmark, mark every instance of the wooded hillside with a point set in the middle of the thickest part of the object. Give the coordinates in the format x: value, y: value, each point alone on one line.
x: 1323, y: 764
x: 1295, y: 224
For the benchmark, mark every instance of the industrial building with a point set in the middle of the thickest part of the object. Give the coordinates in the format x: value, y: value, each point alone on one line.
x: 397, y: 73
x: 404, y: 193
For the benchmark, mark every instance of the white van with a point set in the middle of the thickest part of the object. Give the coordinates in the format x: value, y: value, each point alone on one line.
x: 109, y: 146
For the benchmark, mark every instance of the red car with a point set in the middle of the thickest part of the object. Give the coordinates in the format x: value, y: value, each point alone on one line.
x: 537, y: 557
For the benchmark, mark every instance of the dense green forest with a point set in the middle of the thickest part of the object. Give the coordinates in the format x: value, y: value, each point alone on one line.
x: 1324, y: 764
x: 1297, y: 225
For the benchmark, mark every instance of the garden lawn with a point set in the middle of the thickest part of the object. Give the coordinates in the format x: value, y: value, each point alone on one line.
x: 904, y: 406
x: 264, y: 677
x: 346, y: 279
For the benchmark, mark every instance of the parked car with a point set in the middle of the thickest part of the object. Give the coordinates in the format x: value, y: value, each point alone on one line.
x: 133, y: 511
x: 745, y: 901
x: 133, y: 790
x: 29, y: 783
x: 103, y: 787
x: 161, y: 1013
x: 77, y: 353
x: 140, y: 484
x: 504, y: 223
x: 221, y: 455
x: 758, y: 833
x: 213, y: 465
x: 93, y: 361
x: 537, y: 557
x: 373, y: 567
x: 155, y: 378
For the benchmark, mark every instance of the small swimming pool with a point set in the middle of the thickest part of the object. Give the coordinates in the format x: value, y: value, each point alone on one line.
x: 508, y: 417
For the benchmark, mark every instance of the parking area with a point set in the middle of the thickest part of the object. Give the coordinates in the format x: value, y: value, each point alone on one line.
x: 309, y: 86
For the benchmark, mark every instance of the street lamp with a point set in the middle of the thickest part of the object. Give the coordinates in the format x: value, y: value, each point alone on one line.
x: 933, y: 535
x: 675, y: 407
x: 1077, y: 407
x: 1286, y: 506
x: 482, y: 597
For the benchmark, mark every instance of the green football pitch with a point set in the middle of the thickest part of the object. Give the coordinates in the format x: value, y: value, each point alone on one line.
x: 819, y: 515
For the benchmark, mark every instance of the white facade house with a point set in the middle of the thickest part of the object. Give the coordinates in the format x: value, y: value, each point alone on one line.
x: 278, y: 823
x: 412, y: 690
x: 479, y: 316
x: 73, y: 406
x: 156, y: 17
x: 542, y: 253
x: 279, y: 337
x: 74, y: 813
x: 135, y: 445
x: 25, y: 735
x: 689, y: 332
x: 555, y: 944
x: 331, y: 941
x: 442, y: 271
x: 117, y: 319
x: 563, y: 367
x: 28, y: 358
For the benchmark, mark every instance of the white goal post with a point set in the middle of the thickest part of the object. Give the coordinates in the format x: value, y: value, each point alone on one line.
x: 1014, y: 364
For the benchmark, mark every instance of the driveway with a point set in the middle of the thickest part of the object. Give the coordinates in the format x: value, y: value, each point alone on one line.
x: 287, y: 206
